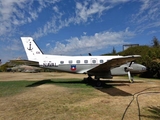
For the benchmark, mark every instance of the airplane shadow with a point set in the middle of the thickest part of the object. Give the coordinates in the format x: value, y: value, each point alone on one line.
x: 108, y: 86
x: 49, y: 81
x: 113, y: 91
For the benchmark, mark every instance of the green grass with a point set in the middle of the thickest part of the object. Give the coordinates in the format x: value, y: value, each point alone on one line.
x: 151, y: 112
x: 48, y: 104
x: 8, y: 88
x: 71, y: 83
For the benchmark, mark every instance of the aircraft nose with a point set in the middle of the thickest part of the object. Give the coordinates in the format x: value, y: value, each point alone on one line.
x: 144, y: 68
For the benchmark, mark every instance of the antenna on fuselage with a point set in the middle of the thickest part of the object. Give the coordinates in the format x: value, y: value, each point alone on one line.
x: 89, y: 54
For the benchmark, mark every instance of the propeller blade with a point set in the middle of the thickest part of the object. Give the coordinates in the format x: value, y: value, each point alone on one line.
x: 130, y: 63
x: 130, y: 77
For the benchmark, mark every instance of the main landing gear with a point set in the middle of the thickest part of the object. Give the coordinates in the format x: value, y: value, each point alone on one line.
x: 94, y: 82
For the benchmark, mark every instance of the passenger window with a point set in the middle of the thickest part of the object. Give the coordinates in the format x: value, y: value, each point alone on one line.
x: 70, y: 61
x: 78, y: 61
x: 93, y: 61
x: 101, y: 61
x: 85, y: 61
x: 62, y: 62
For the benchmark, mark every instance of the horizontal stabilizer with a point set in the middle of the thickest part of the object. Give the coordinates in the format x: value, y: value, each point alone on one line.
x: 25, y: 62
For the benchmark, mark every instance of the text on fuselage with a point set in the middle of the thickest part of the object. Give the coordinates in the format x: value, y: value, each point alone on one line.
x: 49, y: 64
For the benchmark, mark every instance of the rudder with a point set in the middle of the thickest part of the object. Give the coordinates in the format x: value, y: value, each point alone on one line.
x: 32, y: 50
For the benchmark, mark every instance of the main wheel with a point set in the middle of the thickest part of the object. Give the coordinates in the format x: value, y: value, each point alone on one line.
x: 98, y: 83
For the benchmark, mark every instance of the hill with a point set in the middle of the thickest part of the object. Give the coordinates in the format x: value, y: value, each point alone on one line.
x: 150, y: 58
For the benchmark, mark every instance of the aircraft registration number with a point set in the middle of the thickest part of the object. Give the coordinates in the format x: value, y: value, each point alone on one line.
x: 49, y: 64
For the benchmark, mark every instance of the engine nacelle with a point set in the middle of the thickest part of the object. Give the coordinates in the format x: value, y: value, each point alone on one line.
x: 126, y: 69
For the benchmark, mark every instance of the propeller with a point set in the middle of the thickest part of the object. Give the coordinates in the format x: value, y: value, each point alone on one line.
x: 128, y: 69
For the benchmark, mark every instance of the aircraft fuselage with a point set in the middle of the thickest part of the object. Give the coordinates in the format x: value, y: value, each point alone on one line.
x: 81, y: 64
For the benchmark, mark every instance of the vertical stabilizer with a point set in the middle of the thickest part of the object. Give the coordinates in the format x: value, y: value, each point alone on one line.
x: 32, y: 50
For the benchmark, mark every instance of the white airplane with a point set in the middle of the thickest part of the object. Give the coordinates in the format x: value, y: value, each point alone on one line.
x: 98, y: 66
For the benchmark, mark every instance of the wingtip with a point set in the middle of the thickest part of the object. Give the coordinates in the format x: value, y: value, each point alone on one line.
x: 134, y: 56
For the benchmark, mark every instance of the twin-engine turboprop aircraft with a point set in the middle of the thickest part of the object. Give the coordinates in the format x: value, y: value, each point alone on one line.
x: 97, y: 66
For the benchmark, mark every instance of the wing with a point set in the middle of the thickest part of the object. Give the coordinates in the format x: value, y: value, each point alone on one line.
x: 115, y: 62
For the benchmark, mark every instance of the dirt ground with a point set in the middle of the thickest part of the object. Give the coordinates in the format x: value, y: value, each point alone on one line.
x: 47, y: 102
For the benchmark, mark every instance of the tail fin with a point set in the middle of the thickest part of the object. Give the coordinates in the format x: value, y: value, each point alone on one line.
x: 32, y: 50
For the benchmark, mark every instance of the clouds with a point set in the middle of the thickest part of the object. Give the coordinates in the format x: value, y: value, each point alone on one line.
x: 92, y: 24
x: 148, y: 15
x: 9, y: 15
x: 84, y: 12
x: 8, y: 49
x: 14, y: 14
x: 86, y: 44
x: 19, y: 12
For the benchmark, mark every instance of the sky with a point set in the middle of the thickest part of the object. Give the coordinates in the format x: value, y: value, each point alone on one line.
x: 76, y: 27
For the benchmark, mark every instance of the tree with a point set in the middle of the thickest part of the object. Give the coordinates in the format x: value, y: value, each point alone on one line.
x: 155, y: 42
x: 113, y: 51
